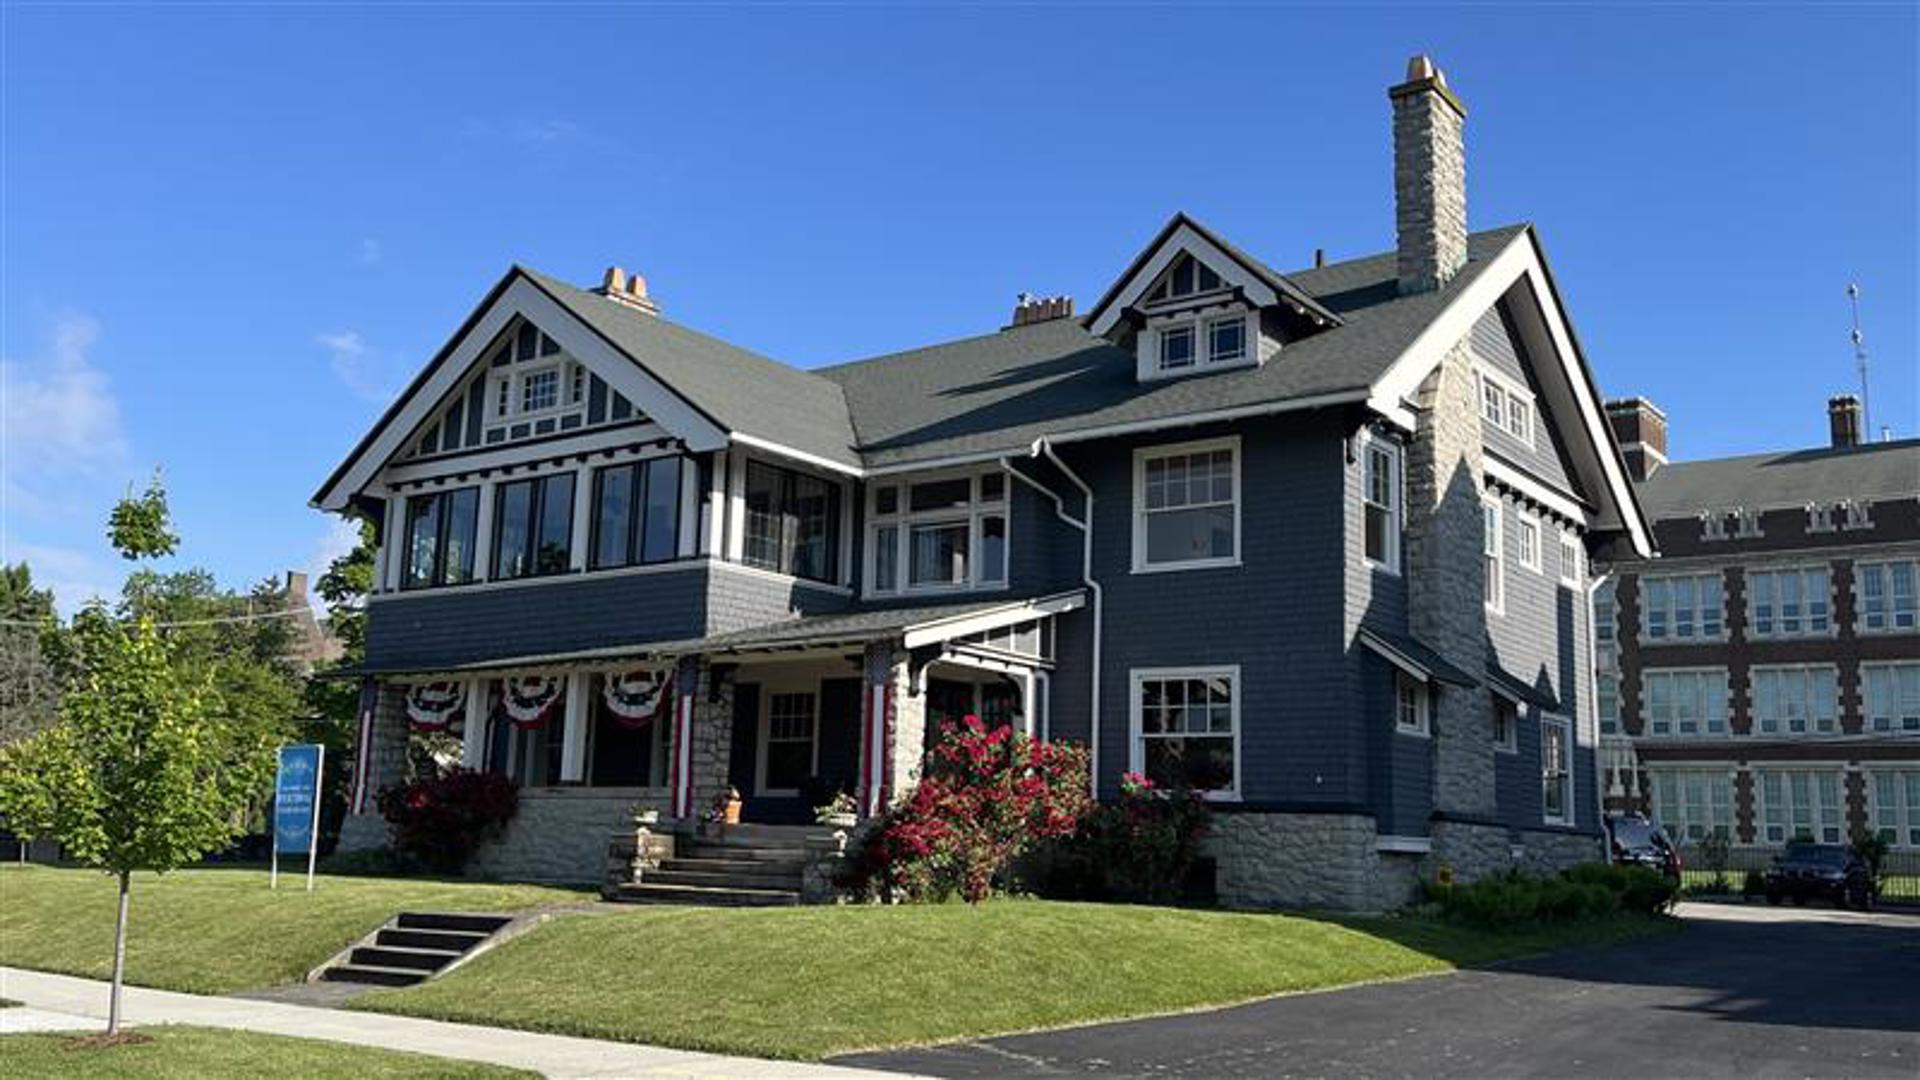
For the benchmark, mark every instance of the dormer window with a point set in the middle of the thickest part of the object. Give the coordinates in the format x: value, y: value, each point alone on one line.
x: 1227, y: 340
x: 1713, y: 525
x: 1176, y: 348
x: 1856, y: 515
x: 1819, y: 518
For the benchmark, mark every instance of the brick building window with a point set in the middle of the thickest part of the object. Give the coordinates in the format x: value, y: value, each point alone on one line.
x: 1801, y: 804
x: 1894, y: 810
x: 1891, y: 694
x: 1886, y: 592
x: 1795, y: 700
x: 1686, y: 704
x: 1681, y: 608
x: 1693, y: 803
x: 1788, y: 603
x: 1609, y: 692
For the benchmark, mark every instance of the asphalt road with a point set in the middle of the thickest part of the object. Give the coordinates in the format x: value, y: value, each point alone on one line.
x: 1741, y: 992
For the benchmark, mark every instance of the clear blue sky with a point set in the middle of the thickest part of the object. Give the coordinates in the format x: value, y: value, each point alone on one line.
x: 231, y: 233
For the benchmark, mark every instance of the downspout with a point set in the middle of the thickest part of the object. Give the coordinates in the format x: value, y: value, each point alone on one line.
x: 1593, y: 699
x: 1042, y: 448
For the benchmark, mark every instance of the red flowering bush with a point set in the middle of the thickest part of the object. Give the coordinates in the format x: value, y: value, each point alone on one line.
x: 441, y: 820
x: 1142, y: 847
x: 986, y: 797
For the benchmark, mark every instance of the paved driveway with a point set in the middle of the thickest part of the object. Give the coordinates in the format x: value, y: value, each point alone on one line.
x: 1740, y: 992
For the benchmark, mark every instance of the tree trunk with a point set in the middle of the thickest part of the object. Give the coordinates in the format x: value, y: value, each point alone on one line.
x: 119, y: 957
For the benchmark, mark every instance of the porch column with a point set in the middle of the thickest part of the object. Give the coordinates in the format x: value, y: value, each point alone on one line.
x: 473, y: 737
x: 1029, y: 703
x: 680, y: 745
x: 876, y: 707
x: 379, y: 761
x: 573, y: 748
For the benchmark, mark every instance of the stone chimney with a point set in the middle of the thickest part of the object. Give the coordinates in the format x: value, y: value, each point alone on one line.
x: 1843, y: 419
x: 1641, y: 430
x: 1429, y: 178
x: 1028, y: 308
x: 296, y: 589
x: 628, y: 289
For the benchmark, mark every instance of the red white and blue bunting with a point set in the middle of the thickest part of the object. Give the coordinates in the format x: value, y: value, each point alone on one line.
x: 436, y: 706
x: 636, y: 697
x: 529, y: 700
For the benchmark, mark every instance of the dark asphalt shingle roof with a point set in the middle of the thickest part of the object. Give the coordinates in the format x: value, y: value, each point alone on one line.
x: 1791, y: 479
x: 1513, y: 686
x: 867, y: 624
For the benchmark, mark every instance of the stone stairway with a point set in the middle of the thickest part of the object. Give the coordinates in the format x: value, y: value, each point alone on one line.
x: 412, y: 947
x: 743, y: 866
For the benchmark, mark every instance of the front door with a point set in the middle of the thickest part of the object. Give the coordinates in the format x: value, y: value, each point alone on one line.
x: 795, y: 743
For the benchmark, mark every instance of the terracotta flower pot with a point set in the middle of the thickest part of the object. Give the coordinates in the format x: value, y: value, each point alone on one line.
x: 731, y: 815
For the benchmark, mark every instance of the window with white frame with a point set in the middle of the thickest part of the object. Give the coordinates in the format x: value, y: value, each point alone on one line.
x: 1786, y: 603
x: 1570, y: 559
x: 1796, y: 700
x: 539, y: 390
x: 1685, y: 704
x: 1380, y: 494
x: 1748, y: 525
x: 1493, y: 555
x: 1186, y: 502
x: 1819, y: 518
x: 940, y: 534
x: 789, y: 757
x: 1201, y: 342
x: 1694, y: 804
x: 1504, y: 405
x: 1528, y: 527
x: 1801, y: 804
x: 1176, y: 347
x: 1606, y: 621
x: 1409, y: 705
x: 1894, y: 811
x: 1608, y: 686
x: 1886, y: 591
x: 1890, y: 694
x: 1186, y: 728
x: 1556, y: 770
x: 1856, y: 516
x: 1686, y: 607
x: 1506, y: 725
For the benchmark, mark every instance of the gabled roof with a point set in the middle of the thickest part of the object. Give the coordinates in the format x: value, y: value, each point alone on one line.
x: 1273, y: 279
x: 1789, y: 480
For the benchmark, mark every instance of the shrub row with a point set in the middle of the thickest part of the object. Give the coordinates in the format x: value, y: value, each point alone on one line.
x: 1588, y: 891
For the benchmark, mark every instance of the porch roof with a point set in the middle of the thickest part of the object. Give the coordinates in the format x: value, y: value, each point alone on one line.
x: 1518, y: 690
x: 1414, y: 656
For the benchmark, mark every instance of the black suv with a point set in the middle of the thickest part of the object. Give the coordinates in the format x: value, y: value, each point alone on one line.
x: 1634, y: 840
x: 1820, y: 872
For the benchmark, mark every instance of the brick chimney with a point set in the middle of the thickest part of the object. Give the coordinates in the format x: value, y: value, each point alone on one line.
x: 1429, y: 178
x: 1028, y: 308
x: 628, y: 289
x: 1641, y: 430
x: 1843, y: 419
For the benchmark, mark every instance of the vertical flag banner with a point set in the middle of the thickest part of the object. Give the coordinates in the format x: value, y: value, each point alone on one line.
x: 296, y: 806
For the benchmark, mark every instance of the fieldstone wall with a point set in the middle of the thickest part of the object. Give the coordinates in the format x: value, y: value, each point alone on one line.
x: 367, y: 831
x: 1471, y: 850
x: 906, y: 731
x: 712, y: 731
x: 1550, y: 853
x: 1265, y: 861
x: 1429, y: 179
x: 560, y: 835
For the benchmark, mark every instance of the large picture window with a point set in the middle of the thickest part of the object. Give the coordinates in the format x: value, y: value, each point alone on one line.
x: 1801, y: 804
x: 1186, y: 728
x: 1891, y: 695
x: 943, y: 533
x: 1886, y: 593
x: 1186, y: 502
x: 1795, y: 700
x: 1685, y: 704
x: 793, y: 522
x: 533, y: 526
x: 440, y: 537
x: 1694, y: 803
x: 1895, y: 810
x: 1682, y: 608
x: 636, y: 512
x: 1556, y: 771
x: 1787, y: 603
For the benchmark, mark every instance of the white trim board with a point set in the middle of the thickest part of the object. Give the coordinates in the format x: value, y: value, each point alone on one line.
x: 1184, y: 240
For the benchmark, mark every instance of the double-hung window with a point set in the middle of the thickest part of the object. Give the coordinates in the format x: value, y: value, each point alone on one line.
x: 1891, y: 694
x: 1801, y: 804
x: 1606, y: 615
x: 1694, y: 803
x: 1506, y: 725
x: 1409, y: 704
x: 1895, y: 810
x: 793, y: 522
x: 533, y: 526
x: 1685, y: 704
x: 441, y: 530
x: 1608, y: 687
x: 1570, y: 559
x: 1529, y: 530
x: 1556, y: 770
x: 1380, y: 496
x: 1219, y: 341
x: 1186, y: 728
x: 1186, y: 502
x: 1886, y: 591
x: 1493, y: 555
x: 1506, y: 407
x: 1687, y: 607
x: 939, y: 534
x: 1788, y: 603
x: 1796, y: 700
x: 636, y: 512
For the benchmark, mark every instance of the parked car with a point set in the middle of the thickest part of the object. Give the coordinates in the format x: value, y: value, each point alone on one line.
x: 1820, y: 872
x: 1636, y: 840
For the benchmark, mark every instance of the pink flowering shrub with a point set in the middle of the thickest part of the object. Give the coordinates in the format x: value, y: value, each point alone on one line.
x: 441, y: 820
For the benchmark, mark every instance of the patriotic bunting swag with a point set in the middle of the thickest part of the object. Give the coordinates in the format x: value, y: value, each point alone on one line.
x: 636, y: 697
x: 436, y: 706
x: 530, y: 699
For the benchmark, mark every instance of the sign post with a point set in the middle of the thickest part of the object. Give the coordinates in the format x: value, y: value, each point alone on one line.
x: 296, y: 807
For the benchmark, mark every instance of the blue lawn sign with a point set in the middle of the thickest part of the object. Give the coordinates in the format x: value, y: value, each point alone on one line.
x: 296, y: 807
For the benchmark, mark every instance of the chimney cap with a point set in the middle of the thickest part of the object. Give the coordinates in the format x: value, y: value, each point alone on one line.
x: 1424, y: 75
x: 627, y: 288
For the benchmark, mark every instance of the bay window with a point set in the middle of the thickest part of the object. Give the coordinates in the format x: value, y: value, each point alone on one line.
x: 1686, y: 703
x: 1891, y: 696
x: 533, y: 526
x: 440, y: 532
x: 1787, y: 603
x: 1886, y: 591
x: 939, y: 534
x: 1186, y: 728
x: 1795, y: 700
x: 636, y: 512
x: 793, y: 522
x: 1801, y: 804
x: 1186, y: 502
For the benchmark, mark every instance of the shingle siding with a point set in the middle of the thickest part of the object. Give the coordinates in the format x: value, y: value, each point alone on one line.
x: 1494, y: 346
x: 1400, y: 765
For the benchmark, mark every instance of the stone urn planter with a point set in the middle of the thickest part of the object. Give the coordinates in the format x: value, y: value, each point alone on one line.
x: 840, y: 821
x: 646, y: 819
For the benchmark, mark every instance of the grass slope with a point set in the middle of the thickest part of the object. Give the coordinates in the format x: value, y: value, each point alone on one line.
x: 808, y: 982
x: 190, y: 1053
x: 213, y: 931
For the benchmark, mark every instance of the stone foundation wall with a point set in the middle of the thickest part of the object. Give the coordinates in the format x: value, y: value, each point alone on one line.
x: 560, y: 834
x: 1307, y: 861
x: 1469, y: 850
x: 367, y: 831
x: 1550, y: 853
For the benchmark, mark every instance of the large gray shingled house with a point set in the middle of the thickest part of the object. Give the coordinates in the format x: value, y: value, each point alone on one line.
x: 1316, y: 542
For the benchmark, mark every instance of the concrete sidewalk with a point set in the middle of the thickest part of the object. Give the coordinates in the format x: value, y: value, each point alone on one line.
x: 557, y: 1056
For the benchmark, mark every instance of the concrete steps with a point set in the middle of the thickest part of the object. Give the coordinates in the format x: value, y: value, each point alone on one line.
x: 413, y: 947
x: 746, y: 866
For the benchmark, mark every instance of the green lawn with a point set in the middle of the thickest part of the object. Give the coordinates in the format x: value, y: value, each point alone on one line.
x: 190, y: 1053
x: 213, y: 931
x: 808, y: 982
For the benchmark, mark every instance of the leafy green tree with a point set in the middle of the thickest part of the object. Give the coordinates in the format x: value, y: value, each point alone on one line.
x: 28, y: 684
x: 141, y: 526
x: 332, y: 700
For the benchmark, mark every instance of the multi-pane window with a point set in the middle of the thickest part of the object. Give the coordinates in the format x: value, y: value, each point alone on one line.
x: 1187, y: 506
x: 1227, y: 339
x: 1193, y: 344
x: 1409, y: 704
x: 947, y: 533
x: 790, y: 743
x: 636, y: 512
x: 1506, y: 407
x: 1605, y: 618
x: 1891, y: 694
x: 1570, y: 558
x: 1795, y: 700
x: 793, y: 522
x: 533, y: 526
x: 1556, y: 770
x: 1682, y: 608
x: 1506, y: 725
x: 1801, y: 804
x: 1886, y: 591
x: 1185, y: 728
x: 441, y: 530
x: 1187, y: 277
x: 1528, y: 528
x: 1895, y: 809
x: 1694, y: 803
x: 1492, y: 555
x: 1381, y: 494
x: 1787, y: 603
x: 1608, y: 686
x: 1685, y: 703
x: 539, y: 390
x: 1176, y: 348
